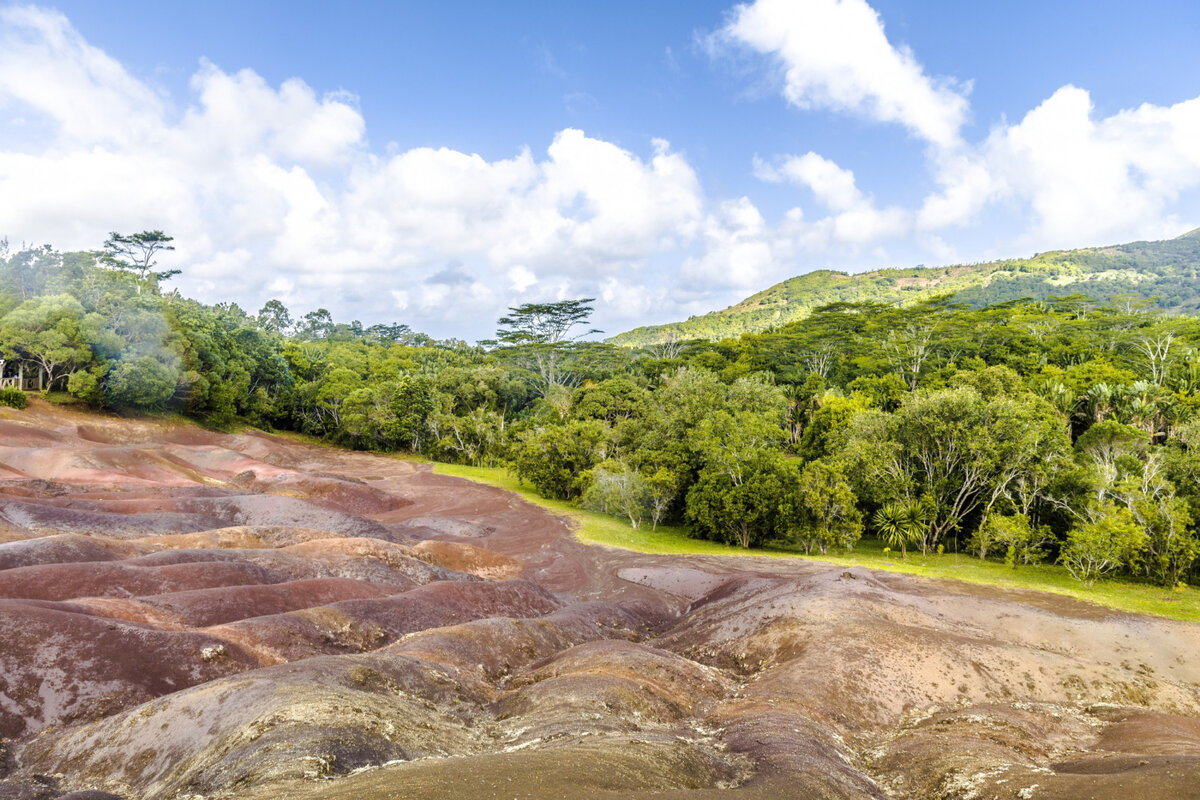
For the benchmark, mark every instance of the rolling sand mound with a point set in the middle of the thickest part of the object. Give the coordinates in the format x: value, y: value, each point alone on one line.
x: 192, y: 614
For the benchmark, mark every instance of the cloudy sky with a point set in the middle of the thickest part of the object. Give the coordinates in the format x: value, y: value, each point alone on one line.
x: 434, y: 163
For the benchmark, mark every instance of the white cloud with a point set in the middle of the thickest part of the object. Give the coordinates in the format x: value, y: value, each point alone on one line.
x: 967, y: 184
x: 855, y: 220
x: 835, y: 55
x: 739, y: 250
x: 1071, y: 178
x: 46, y: 65
x: 521, y: 279
x: 1094, y: 180
x: 589, y: 208
x: 1066, y: 178
x: 257, y: 182
x: 865, y: 224
x: 630, y: 302
x: 240, y: 114
x: 282, y: 286
x: 834, y: 187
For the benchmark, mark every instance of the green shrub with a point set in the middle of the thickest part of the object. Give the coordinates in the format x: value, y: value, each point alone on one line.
x: 10, y: 396
x: 1095, y: 549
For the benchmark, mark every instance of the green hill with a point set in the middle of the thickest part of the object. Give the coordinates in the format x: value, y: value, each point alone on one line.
x: 1166, y: 272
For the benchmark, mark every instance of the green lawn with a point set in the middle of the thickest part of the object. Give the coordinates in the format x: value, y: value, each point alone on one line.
x: 62, y: 399
x: 601, y: 529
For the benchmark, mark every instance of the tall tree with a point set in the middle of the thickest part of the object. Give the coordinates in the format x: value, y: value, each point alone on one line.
x: 274, y: 317
x: 545, y: 323
x: 542, y: 332
x: 136, y: 254
x: 316, y: 325
x: 955, y: 450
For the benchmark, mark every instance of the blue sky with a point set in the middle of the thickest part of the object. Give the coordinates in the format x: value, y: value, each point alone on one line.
x: 435, y: 163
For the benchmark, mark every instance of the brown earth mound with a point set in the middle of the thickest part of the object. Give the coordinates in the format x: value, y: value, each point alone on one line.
x: 192, y: 614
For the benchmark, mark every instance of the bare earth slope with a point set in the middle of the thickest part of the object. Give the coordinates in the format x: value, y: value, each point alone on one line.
x: 194, y: 615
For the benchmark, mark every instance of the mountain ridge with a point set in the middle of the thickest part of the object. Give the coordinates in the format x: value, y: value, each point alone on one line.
x: 1167, y: 272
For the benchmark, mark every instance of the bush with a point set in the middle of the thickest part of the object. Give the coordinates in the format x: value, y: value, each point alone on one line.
x: 88, y: 386
x: 618, y: 489
x: 1022, y: 541
x: 1095, y: 549
x: 556, y: 459
x: 10, y: 396
x: 142, y: 382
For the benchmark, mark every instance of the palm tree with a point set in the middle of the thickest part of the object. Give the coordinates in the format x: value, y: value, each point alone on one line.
x: 917, y: 514
x: 1188, y: 380
x: 895, y: 523
x: 1100, y: 401
x: 1142, y: 406
x: 1059, y: 396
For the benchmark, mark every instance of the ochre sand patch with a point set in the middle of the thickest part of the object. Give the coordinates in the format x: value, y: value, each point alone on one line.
x: 186, y: 613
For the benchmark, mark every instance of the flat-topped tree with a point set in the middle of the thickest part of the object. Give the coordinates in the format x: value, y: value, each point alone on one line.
x: 136, y: 253
x: 543, y: 330
x: 545, y: 323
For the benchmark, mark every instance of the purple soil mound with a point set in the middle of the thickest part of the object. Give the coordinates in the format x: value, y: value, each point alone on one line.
x: 117, y: 579
x: 61, y: 549
x: 48, y: 518
x: 356, y: 626
x: 200, y: 608
x: 285, y: 511
x: 59, y: 667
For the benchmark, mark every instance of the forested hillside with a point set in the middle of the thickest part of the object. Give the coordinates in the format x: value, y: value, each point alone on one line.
x: 1062, y: 430
x: 1166, y: 272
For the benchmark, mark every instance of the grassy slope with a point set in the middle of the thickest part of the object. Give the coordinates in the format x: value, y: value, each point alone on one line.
x: 1167, y: 270
x: 604, y: 530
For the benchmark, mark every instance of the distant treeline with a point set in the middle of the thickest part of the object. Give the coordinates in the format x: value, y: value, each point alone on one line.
x: 1054, y: 430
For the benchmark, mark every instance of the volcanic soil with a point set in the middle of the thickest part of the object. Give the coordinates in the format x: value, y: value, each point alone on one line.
x: 186, y: 614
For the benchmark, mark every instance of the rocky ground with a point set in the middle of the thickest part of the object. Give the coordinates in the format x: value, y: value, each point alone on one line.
x: 195, y: 615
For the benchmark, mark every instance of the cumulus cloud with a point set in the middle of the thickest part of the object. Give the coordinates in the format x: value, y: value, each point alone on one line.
x: 88, y: 94
x: 240, y: 114
x: 740, y: 249
x: 521, y: 279
x: 1073, y: 178
x: 856, y: 220
x: 258, y: 181
x: 452, y: 274
x: 1089, y: 178
x: 1068, y: 179
x: 590, y: 206
x: 834, y: 54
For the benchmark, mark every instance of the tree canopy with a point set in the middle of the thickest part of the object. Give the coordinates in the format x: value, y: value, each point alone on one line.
x: 545, y: 323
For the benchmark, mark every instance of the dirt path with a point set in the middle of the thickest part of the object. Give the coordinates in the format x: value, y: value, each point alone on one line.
x: 189, y: 614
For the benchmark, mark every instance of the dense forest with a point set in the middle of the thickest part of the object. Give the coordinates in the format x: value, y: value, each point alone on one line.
x: 1166, y: 271
x: 1065, y: 429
